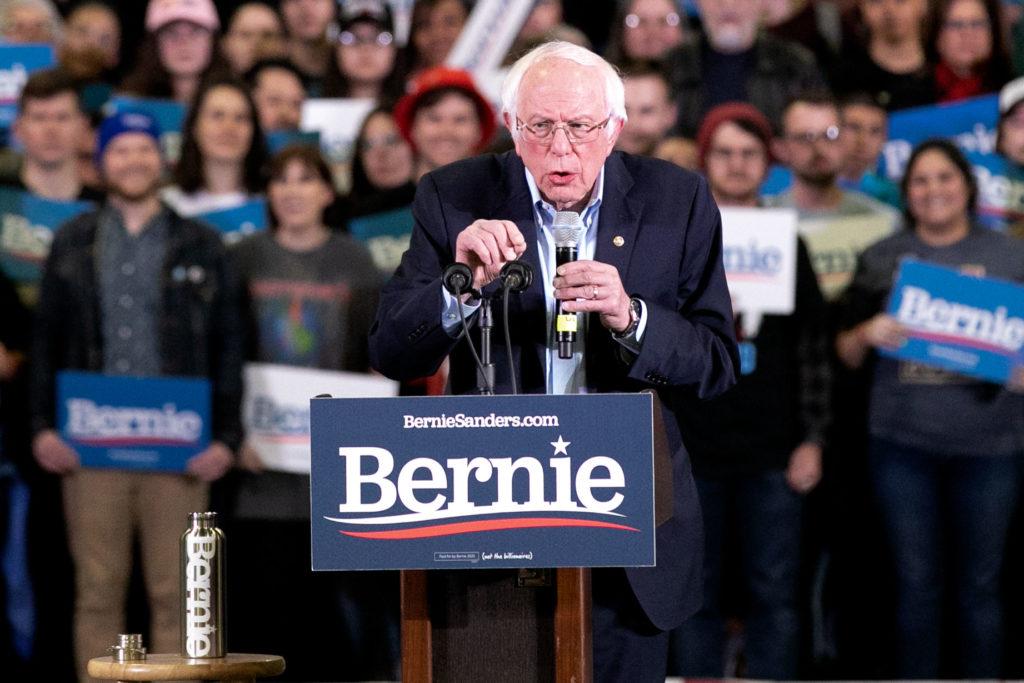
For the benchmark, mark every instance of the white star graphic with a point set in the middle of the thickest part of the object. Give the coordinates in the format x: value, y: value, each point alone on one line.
x: 560, y: 446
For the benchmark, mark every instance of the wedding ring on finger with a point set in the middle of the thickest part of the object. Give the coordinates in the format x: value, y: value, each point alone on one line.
x: 593, y: 291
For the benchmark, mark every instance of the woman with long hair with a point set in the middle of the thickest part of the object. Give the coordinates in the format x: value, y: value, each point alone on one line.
x: 310, y: 295
x: 365, y: 59
x: 435, y: 25
x: 944, y: 449
x: 178, y: 52
x: 222, y: 151
x: 888, y: 57
x: 967, y: 46
x: 382, y: 168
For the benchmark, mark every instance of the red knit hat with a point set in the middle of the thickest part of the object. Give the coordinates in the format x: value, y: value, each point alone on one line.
x: 731, y: 112
x: 437, y: 78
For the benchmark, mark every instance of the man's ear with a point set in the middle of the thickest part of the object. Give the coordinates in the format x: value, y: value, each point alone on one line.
x: 615, y: 127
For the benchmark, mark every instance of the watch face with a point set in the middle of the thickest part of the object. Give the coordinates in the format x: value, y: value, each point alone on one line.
x: 635, y: 310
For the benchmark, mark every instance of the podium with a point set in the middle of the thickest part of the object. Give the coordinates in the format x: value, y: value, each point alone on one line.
x: 493, y: 507
x: 528, y: 631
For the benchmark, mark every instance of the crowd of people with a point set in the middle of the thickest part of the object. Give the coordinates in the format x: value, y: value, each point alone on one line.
x: 859, y: 510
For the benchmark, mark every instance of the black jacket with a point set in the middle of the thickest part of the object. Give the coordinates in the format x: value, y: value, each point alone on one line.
x: 199, y: 326
x: 660, y: 227
x: 781, y: 71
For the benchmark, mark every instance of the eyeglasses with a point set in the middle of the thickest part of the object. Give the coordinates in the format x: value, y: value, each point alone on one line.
x: 966, y: 25
x: 830, y: 134
x: 383, y: 39
x: 383, y: 141
x: 636, y: 21
x: 727, y: 153
x: 576, y: 131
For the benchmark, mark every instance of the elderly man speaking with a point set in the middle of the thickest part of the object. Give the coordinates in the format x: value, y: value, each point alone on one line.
x: 649, y: 280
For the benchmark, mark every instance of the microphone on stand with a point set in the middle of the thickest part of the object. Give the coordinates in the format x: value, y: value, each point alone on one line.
x: 567, y: 229
x: 516, y: 276
x: 458, y: 280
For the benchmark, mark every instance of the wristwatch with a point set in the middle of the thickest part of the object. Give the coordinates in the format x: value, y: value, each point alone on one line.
x: 628, y: 336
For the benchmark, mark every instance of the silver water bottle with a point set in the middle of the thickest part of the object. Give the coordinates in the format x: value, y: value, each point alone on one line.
x: 202, y: 587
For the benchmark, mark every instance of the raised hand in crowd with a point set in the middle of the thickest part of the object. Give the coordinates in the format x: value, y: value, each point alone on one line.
x: 10, y: 361
x: 881, y: 331
x: 804, y: 470
x: 249, y: 460
x: 53, y: 453
x: 212, y: 463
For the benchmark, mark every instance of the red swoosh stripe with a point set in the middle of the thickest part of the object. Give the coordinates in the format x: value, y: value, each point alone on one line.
x: 481, y: 525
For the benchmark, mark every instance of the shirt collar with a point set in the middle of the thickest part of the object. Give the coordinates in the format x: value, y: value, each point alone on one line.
x: 547, y: 212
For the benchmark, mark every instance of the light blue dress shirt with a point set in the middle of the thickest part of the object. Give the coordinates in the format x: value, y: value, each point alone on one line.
x: 568, y: 375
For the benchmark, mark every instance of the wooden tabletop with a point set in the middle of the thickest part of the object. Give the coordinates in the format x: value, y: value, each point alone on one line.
x: 231, y: 667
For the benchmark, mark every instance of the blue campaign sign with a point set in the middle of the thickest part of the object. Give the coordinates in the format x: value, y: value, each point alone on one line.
x: 279, y: 139
x: 27, y: 225
x: 447, y: 482
x: 135, y: 423
x: 971, y: 123
x: 169, y: 115
x: 237, y: 222
x: 17, y: 62
x: 965, y: 324
x: 1000, y: 190
x: 386, y: 235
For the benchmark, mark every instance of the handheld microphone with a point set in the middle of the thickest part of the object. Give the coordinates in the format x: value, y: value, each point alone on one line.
x: 567, y: 229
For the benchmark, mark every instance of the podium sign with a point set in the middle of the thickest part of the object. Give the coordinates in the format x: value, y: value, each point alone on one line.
x: 482, y: 482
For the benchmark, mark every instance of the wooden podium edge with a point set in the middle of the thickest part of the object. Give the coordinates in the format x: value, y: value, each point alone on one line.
x: 417, y: 642
x: 573, y: 644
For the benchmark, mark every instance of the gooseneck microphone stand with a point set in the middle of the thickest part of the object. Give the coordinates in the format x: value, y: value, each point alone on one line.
x: 457, y: 279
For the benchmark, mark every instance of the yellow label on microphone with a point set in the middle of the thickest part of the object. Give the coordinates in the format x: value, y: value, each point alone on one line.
x: 565, y: 322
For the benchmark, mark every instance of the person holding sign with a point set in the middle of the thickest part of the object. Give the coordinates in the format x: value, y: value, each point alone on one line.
x: 445, y: 118
x: 222, y: 151
x: 649, y: 282
x: 836, y: 223
x: 757, y: 450
x: 49, y: 127
x: 310, y: 294
x: 180, y: 49
x: 133, y: 290
x: 944, y: 449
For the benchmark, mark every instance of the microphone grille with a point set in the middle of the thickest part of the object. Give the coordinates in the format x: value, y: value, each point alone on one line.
x: 567, y: 229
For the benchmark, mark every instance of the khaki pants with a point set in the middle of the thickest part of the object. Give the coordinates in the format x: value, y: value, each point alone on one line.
x: 104, y: 510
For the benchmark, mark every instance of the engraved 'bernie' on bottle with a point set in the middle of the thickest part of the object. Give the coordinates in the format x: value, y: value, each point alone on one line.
x: 202, y: 587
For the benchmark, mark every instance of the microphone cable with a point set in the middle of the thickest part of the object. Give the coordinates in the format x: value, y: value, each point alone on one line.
x: 516, y: 276
x: 457, y: 276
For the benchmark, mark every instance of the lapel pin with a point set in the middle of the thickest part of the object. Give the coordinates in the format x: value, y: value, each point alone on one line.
x: 618, y: 240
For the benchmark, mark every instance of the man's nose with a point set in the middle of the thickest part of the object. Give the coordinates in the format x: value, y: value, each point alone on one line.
x: 560, y: 143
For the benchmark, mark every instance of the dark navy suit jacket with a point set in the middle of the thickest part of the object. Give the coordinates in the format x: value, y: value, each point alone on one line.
x: 670, y: 256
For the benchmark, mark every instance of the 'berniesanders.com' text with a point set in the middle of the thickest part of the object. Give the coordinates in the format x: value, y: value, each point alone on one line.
x: 463, y: 421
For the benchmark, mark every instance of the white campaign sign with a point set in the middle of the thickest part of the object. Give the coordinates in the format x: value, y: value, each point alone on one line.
x: 275, y: 408
x: 488, y: 34
x: 759, y: 253
x: 338, y: 121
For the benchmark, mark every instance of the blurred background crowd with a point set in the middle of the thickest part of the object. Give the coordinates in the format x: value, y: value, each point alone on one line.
x: 862, y: 514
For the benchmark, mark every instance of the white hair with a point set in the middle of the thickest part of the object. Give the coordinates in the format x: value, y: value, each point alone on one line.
x: 8, y: 7
x: 614, y: 94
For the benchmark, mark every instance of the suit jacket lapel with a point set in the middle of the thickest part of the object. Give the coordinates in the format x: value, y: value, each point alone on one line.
x: 620, y: 218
